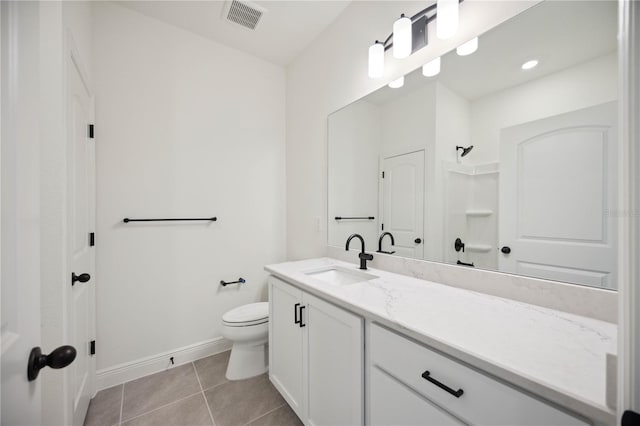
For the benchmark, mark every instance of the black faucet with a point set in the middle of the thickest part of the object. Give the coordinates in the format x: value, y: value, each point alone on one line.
x: 393, y: 243
x: 363, y: 256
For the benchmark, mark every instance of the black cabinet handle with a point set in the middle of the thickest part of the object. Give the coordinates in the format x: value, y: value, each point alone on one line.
x: 295, y: 314
x: 427, y: 376
x: 83, y: 278
x: 301, y: 323
x: 59, y: 358
x: 506, y: 249
x: 417, y: 240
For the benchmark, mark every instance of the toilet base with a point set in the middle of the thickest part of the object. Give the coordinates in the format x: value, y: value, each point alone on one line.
x: 247, y: 360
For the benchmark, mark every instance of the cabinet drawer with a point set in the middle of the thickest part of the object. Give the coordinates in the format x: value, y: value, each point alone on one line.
x: 482, y: 400
x: 393, y: 403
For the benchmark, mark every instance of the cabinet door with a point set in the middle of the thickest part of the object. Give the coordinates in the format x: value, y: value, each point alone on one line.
x: 333, y: 340
x: 285, y: 343
x: 393, y: 403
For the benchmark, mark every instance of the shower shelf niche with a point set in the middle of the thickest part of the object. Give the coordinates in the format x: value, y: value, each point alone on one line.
x: 478, y: 248
x: 478, y: 212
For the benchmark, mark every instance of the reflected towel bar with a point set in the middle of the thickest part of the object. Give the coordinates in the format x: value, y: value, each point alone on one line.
x: 209, y: 219
x: 355, y: 218
x: 465, y: 264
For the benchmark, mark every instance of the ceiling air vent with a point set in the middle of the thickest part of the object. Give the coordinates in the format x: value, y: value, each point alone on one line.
x: 243, y: 13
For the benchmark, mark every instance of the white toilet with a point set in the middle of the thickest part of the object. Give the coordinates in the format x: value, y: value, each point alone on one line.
x: 248, y: 328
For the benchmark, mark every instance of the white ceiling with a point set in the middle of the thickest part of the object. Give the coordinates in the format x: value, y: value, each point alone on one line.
x: 560, y: 34
x: 283, y: 32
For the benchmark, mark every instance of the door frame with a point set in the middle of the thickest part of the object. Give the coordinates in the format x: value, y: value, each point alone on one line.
x: 74, y: 60
x: 629, y: 207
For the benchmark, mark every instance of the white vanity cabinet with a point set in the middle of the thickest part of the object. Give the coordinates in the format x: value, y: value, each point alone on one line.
x: 410, y: 383
x: 316, y: 355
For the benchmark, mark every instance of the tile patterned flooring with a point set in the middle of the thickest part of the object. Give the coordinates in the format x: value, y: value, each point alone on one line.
x: 192, y: 394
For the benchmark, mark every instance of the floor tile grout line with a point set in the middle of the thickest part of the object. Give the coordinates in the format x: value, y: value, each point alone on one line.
x: 203, y: 395
x: 121, y: 404
x: 163, y: 406
x: 268, y: 412
x: 215, y: 386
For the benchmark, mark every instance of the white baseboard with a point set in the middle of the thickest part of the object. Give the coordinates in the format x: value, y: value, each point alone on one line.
x: 122, y: 373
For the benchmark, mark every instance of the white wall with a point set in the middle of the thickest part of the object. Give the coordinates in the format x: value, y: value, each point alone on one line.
x: 355, y: 138
x: 332, y: 73
x: 184, y: 127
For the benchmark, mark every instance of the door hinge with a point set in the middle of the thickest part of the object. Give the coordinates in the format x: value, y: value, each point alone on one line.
x: 92, y: 347
x: 92, y: 239
x: 91, y: 131
x: 382, y: 175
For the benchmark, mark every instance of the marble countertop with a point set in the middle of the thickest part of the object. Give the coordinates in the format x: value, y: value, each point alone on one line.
x: 556, y: 355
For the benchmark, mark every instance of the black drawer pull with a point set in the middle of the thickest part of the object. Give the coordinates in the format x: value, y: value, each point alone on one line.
x: 301, y: 323
x: 295, y: 314
x: 427, y: 376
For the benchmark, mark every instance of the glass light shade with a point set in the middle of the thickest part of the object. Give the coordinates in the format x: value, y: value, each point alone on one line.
x: 395, y: 84
x: 402, y: 38
x: 468, y: 48
x: 431, y: 68
x: 376, y: 60
x: 529, y: 64
x: 447, y: 18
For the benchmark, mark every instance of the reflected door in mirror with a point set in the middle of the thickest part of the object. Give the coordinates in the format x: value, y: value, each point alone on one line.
x: 403, y: 202
x: 557, y: 188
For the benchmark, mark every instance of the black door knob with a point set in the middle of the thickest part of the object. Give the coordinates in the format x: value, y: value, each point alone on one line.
x: 83, y: 278
x: 59, y: 358
x: 458, y: 245
x: 417, y: 241
x: 506, y: 249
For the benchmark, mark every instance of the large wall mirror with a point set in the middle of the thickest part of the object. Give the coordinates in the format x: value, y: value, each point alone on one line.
x: 492, y: 164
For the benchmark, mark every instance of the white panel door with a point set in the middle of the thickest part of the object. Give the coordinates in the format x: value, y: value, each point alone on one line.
x: 20, y: 214
x: 285, y: 343
x: 333, y: 340
x: 558, y: 197
x: 80, y: 223
x: 403, y: 203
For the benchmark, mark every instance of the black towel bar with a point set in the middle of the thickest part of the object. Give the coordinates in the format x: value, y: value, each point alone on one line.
x: 355, y: 218
x: 209, y: 219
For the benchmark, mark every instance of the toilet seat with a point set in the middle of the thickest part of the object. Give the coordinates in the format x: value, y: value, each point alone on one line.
x: 247, y: 315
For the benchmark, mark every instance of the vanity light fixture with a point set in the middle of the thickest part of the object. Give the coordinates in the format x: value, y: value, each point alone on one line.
x: 402, y: 38
x: 447, y: 24
x: 431, y: 68
x: 410, y: 34
x: 468, y: 48
x: 376, y: 60
x: 529, y: 64
x: 397, y: 83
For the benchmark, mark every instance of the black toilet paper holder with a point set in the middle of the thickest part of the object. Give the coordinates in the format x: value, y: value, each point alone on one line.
x: 239, y: 281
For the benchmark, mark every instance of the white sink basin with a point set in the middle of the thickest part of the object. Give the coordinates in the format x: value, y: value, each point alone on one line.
x: 338, y: 275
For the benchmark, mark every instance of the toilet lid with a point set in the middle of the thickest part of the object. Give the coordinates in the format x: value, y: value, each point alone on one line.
x: 247, y: 313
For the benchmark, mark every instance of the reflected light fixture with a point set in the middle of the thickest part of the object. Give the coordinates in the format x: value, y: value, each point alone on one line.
x: 468, y: 48
x: 529, y: 64
x: 431, y: 68
x: 447, y: 25
x: 397, y: 83
x: 402, y: 37
x: 376, y: 60
x: 410, y: 34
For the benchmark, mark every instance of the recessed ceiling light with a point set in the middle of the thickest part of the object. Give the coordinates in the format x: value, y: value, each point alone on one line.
x: 529, y: 64
x: 397, y: 83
